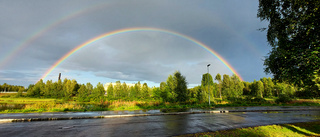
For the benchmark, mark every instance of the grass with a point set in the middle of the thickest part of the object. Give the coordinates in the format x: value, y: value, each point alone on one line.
x: 12, y: 104
x: 25, y: 100
x: 292, y: 130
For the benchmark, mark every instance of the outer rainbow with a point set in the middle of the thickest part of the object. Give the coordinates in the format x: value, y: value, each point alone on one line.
x: 57, y: 63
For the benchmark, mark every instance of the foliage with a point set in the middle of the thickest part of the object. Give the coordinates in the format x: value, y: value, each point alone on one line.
x: 218, y: 78
x: 293, y: 33
x: 180, y: 87
x: 236, y: 86
x: 83, y: 94
x: 226, y: 85
x: 98, y: 93
x: 283, y: 98
x: 257, y: 88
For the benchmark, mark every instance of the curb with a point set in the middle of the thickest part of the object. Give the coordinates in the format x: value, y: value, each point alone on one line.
x: 139, y: 115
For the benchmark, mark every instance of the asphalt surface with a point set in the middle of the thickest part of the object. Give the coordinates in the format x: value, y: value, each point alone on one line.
x: 160, y: 125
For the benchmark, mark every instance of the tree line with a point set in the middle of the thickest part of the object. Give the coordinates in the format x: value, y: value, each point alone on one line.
x: 6, y: 87
x: 174, y: 89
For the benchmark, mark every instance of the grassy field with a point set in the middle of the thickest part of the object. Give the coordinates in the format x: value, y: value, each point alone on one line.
x: 9, y: 103
x: 289, y: 130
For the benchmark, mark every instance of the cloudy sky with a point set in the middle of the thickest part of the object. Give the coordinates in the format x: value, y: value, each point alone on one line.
x: 37, y: 33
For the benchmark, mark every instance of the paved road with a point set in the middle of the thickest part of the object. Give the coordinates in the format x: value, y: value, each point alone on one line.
x: 167, y: 125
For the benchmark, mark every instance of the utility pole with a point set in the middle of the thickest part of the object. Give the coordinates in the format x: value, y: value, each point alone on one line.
x: 208, y: 82
x: 59, y: 76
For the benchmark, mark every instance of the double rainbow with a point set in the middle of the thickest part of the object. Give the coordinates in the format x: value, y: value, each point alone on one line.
x: 137, y: 29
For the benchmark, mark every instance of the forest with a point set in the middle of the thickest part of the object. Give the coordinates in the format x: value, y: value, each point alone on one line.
x: 174, y: 89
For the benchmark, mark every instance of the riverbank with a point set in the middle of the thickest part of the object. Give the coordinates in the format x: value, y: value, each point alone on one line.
x: 27, y: 105
x: 294, y: 129
x: 32, y: 105
x: 54, y: 116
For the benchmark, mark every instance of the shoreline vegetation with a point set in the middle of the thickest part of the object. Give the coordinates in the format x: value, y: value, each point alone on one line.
x: 12, y: 104
x: 69, y: 95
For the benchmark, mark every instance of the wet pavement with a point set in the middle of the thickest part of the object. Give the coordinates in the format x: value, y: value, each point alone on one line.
x: 166, y: 125
x: 105, y: 113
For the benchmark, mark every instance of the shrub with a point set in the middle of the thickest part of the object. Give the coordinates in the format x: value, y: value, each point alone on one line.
x: 283, y: 98
x: 259, y: 99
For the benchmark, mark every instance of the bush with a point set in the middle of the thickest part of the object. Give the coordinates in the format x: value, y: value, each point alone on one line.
x: 283, y: 98
x: 259, y: 100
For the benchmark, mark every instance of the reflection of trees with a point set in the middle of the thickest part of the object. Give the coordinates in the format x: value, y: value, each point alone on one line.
x: 176, y: 124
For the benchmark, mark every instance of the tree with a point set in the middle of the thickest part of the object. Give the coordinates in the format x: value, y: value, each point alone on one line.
x: 20, y: 91
x: 35, y: 90
x: 125, y: 90
x: 89, y: 86
x: 225, y: 87
x: 145, y: 90
x: 207, y: 84
x: 137, y: 90
x: 164, y: 92
x: 257, y: 88
x: 268, y: 86
x: 83, y: 94
x: 180, y: 87
x: 170, y: 86
x: 69, y: 88
x: 293, y: 34
x: 206, y: 80
x: 110, y: 91
x: 48, y: 88
x: 98, y: 93
x: 156, y: 92
x: 237, y: 86
x: 218, y: 78
x: 247, y: 88
x: 117, y: 89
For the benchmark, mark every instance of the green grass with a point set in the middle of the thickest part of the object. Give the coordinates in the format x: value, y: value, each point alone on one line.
x: 58, y: 105
x: 292, y: 130
x: 25, y: 100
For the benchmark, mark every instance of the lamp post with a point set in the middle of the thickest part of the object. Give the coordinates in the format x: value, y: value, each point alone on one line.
x: 208, y: 82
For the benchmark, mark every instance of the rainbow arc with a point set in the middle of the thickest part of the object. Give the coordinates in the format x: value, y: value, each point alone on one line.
x: 137, y: 29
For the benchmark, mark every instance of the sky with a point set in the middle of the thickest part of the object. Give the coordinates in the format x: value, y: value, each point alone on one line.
x: 36, y: 34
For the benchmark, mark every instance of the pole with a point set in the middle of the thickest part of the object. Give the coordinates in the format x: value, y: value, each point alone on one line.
x: 208, y: 82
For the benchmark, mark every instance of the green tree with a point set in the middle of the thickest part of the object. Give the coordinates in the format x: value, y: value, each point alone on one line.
x: 180, y: 87
x: 89, y: 86
x: 225, y: 87
x: 145, y: 90
x: 156, y: 92
x: 218, y: 78
x: 35, y: 91
x: 170, y: 86
x: 207, y: 84
x: 48, y: 89
x: 293, y: 34
x: 137, y: 90
x: 69, y: 88
x: 164, y: 92
x: 268, y: 86
x: 20, y: 91
x: 125, y: 90
x: 257, y: 88
x: 237, y: 86
x: 98, y: 93
x: 83, y: 94
x: 110, y: 91
x: 117, y: 89
x: 247, y: 88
